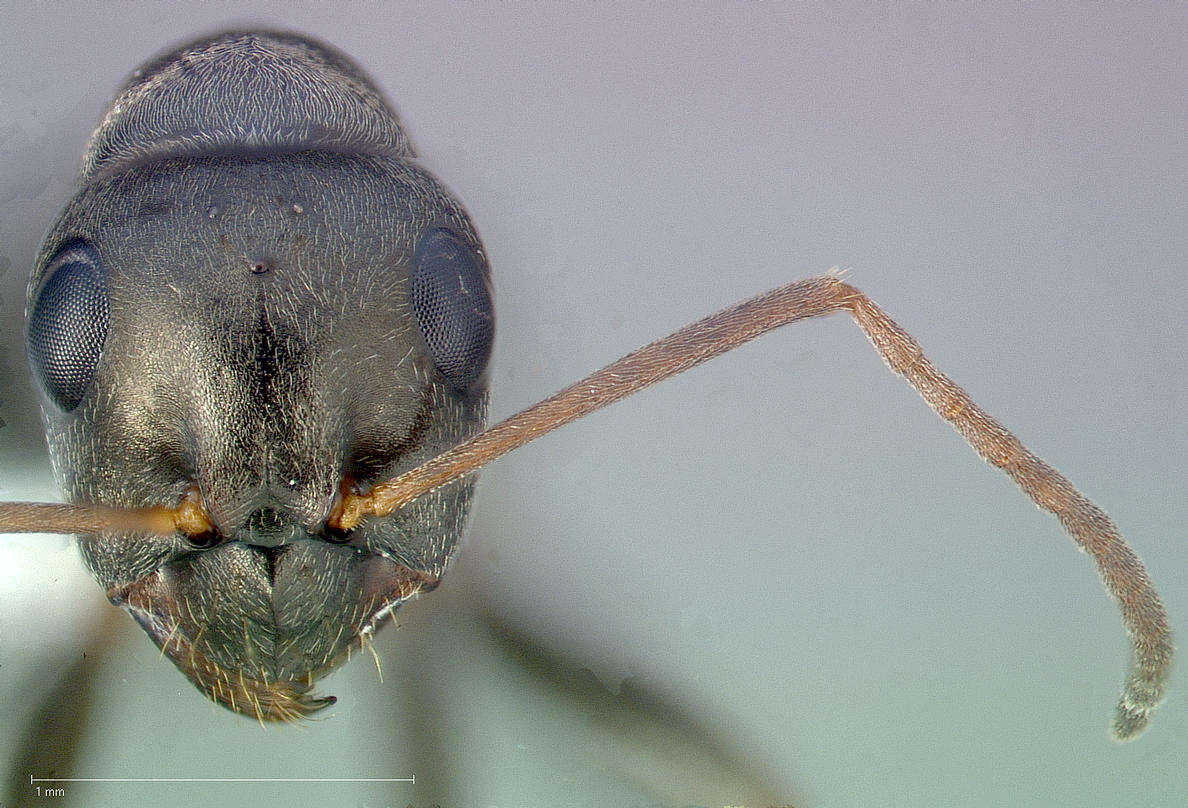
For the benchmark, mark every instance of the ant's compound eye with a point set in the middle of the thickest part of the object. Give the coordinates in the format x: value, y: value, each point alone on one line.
x: 68, y: 324
x: 453, y: 306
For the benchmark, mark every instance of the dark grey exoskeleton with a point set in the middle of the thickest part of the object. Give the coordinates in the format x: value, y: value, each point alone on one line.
x: 255, y: 298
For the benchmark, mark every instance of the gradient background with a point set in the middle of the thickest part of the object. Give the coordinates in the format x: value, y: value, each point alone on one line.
x: 820, y: 589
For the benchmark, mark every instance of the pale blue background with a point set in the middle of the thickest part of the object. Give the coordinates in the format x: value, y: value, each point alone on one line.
x: 785, y: 544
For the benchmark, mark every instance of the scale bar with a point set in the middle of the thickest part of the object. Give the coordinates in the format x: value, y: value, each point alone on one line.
x: 33, y: 779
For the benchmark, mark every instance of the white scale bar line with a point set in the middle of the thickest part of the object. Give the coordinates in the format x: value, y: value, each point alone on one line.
x: 32, y: 779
